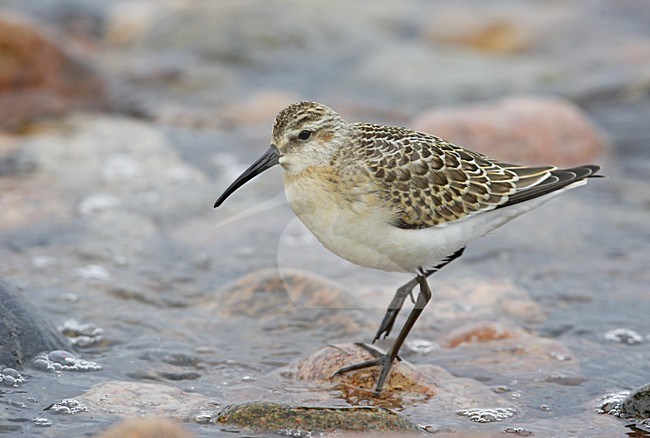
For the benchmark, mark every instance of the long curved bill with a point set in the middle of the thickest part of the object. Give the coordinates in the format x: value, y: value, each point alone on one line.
x: 266, y: 161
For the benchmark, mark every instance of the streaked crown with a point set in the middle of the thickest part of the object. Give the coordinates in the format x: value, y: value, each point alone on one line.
x: 307, y: 134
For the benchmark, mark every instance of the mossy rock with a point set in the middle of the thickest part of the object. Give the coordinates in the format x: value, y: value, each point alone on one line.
x: 271, y: 417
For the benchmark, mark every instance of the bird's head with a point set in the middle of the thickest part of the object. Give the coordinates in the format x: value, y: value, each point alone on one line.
x: 305, y: 134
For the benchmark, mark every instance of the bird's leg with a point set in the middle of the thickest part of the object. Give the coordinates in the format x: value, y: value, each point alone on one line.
x: 393, y: 309
x: 400, y: 296
x: 386, y: 361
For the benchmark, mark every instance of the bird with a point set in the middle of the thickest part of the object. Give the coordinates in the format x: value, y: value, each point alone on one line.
x: 394, y: 199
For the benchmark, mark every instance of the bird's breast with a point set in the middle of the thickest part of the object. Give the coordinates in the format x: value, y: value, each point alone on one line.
x: 348, y: 219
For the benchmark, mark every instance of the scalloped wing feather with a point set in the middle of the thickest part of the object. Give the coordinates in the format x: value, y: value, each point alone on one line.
x: 429, y: 182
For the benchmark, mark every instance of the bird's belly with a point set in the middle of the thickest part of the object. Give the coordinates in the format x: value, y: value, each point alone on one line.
x: 364, y: 236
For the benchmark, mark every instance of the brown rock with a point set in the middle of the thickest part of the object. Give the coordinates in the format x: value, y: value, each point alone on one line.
x: 38, y: 78
x: 500, y: 350
x: 289, y: 300
x: 146, y: 428
x: 320, y: 366
x: 522, y: 129
x: 442, y: 392
x: 277, y: 292
x: 479, y: 332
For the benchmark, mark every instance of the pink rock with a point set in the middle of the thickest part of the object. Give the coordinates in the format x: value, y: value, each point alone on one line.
x: 521, y: 129
x: 38, y: 78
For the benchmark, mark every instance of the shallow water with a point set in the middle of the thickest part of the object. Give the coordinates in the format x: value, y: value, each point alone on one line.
x: 115, y: 228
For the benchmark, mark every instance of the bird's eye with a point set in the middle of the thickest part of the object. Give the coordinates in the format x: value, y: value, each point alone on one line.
x: 304, y: 135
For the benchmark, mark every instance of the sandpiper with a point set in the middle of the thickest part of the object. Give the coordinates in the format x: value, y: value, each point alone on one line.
x: 394, y: 199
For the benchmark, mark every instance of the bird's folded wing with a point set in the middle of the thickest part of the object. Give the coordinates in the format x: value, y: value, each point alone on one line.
x: 429, y: 182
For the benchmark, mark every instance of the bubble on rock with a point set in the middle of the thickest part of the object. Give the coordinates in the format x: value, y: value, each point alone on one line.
x: 42, y: 422
x: 248, y: 379
x: 60, y: 360
x: 562, y: 357
x: 81, y: 335
x: 624, y: 336
x: 67, y: 406
x: 637, y: 404
x: 96, y: 203
x: 93, y: 273
x: 121, y: 167
x: 487, y: 415
x: 611, y: 403
x: 11, y: 378
x: 204, y: 417
x: 421, y: 346
x: 521, y: 431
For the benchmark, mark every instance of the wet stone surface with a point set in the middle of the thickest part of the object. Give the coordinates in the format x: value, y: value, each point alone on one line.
x: 23, y: 331
x: 107, y: 228
x: 276, y: 417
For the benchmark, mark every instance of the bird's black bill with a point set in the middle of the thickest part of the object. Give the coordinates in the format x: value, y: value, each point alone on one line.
x: 266, y: 161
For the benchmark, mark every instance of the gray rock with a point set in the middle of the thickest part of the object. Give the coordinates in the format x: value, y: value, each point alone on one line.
x: 637, y: 403
x: 23, y: 331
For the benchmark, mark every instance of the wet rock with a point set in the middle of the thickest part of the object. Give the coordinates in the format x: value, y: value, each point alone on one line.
x: 130, y: 168
x: 479, y: 332
x: 291, y: 299
x: 25, y: 333
x: 494, y: 350
x: 637, y: 404
x: 473, y: 299
x: 145, y: 399
x: 273, y: 292
x: 39, y: 78
x: 277, y: 417
x: 146, y: 428
x: 521, y: 129
x: 321, y: 365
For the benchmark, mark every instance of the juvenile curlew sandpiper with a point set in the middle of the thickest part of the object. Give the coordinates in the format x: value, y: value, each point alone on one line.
x: 394, y: 199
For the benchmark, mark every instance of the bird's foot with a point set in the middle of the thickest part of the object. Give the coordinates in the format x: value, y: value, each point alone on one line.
x: 386, y: 325
x: 383, y: 360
